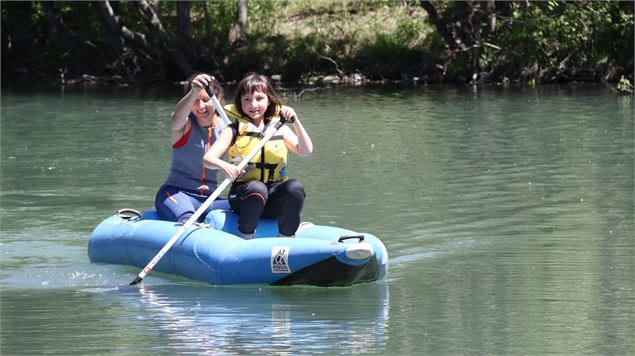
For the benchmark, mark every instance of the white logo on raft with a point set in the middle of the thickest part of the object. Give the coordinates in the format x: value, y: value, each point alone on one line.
x: 280, y: 259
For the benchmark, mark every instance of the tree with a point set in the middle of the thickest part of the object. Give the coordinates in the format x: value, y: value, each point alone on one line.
x: 466, y: 27
x: 164, y: 38
x: 535, y: 40
x: 237, y: 31
x: 184, y: 32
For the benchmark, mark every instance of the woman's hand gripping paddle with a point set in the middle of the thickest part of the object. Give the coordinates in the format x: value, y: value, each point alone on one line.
x: 148, y: 268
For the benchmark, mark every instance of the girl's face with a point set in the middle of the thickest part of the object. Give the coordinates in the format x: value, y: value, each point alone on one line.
x: 203, y: 107
x: 255, y: 104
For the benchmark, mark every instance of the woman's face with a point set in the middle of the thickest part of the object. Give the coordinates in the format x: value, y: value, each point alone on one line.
x: 255, y: 104
x: 203, y: 107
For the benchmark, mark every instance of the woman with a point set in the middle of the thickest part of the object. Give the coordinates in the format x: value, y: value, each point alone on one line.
x: 264, y: 189
x: 195, y: 126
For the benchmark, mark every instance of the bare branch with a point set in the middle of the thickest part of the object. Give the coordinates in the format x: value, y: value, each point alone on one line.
x: 340, y: 72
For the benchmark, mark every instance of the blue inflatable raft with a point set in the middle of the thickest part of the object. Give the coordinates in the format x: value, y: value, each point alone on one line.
x: 317, y: 255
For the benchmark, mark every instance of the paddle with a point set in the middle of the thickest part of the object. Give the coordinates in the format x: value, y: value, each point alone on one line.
x: 148, y: 268
x: 217, y: 105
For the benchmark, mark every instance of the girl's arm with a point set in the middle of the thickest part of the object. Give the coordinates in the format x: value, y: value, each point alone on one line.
x: 299, y: 142
x: 212, y: 158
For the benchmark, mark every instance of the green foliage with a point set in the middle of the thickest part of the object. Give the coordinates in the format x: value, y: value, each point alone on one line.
x: 553, y: 40
x: 382, y: 39
x: 263, y: 17
x: 299, y: 40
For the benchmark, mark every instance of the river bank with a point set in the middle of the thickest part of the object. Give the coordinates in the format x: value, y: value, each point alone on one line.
x: 325, y: 42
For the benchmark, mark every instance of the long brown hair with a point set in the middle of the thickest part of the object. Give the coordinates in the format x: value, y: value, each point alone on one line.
x: 257, y: 82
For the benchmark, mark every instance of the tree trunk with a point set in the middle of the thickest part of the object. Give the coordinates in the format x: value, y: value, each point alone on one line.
x: 465, y: 31
x: 137, y: 54
x: 460, y: 23
x: 111, y: 29
x: 156, y: 6
x: 491, y: 8
x: 441, y: 25
x: 237, y: 32
x: 242, y: 14
x: 183, y: 19
x: 117, y: 28
x: 183, y: 30
x: 166, y: 37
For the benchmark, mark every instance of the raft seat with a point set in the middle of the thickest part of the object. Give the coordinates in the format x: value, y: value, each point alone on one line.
x: 227, y: 221
x: 152, y: 214
x: 223, y: 219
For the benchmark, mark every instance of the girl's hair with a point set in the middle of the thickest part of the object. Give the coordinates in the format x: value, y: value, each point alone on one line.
x: 257, y: 82
x: 214, y: 85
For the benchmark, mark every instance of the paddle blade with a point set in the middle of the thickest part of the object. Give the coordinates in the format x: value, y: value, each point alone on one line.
x: 136, y: 281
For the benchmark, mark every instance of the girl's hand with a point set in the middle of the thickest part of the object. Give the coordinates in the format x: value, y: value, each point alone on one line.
x: 231, y: 171
x: 288, y: 113
x: 299, y: 141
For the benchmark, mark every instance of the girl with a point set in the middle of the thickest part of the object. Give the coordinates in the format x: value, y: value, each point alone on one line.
x: 195, y: 127
x: 264, y: 189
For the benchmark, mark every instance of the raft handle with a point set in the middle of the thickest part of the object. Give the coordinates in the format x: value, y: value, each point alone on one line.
x: 128, y: 214
x: 348, y: 237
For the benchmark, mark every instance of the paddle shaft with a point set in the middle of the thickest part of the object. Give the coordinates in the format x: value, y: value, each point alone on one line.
x: 217, y: 105
x: 148, y: 268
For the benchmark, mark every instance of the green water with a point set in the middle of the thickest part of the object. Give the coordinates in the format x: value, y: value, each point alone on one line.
x: 508, y: 216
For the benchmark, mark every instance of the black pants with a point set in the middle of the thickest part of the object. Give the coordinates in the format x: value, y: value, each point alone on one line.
x: 254, y: 199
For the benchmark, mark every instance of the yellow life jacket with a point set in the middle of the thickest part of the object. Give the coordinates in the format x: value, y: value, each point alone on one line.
x: 270, y: 164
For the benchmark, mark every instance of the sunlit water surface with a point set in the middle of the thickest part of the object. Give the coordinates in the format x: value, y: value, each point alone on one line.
x: 507, y: 213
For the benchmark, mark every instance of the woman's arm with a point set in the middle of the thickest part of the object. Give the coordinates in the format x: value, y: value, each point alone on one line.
x: 180, y: 121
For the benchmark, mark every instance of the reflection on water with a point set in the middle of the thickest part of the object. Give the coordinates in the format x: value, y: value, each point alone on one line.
x: 348, y: 319
x: 200, y: 319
